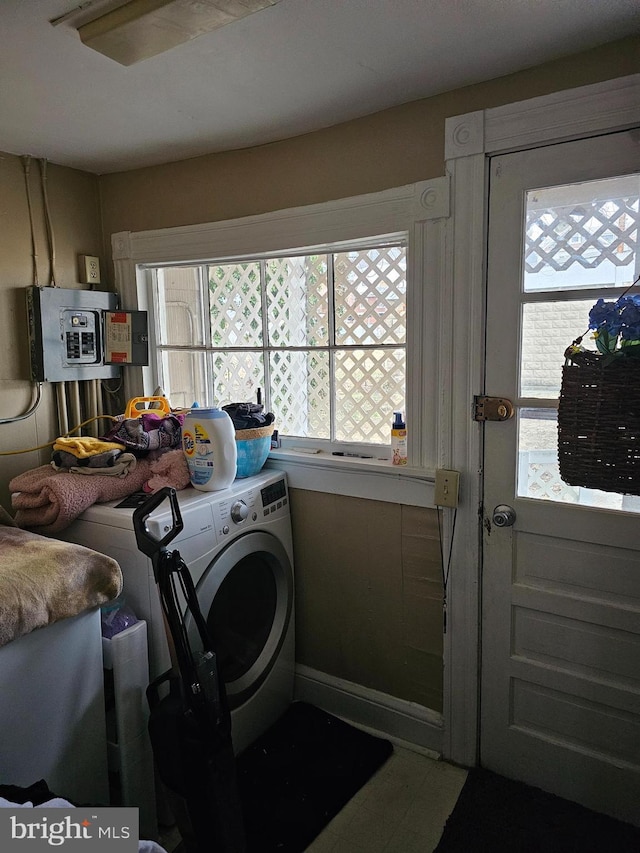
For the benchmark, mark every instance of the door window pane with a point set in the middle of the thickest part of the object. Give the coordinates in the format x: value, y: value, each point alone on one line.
x: 578, y: 237
x: 582, y: 235
x: 547, y: 330
x: 538, y: 473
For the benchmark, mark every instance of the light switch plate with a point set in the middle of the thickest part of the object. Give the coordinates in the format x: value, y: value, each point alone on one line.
x: 447, y: 488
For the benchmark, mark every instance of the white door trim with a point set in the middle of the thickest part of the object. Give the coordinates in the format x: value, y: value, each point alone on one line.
x: 469, y: 140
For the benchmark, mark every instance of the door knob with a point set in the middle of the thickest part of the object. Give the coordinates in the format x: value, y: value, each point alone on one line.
x: 504, y: 516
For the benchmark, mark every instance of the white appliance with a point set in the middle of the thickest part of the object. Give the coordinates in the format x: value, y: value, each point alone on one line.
x: 237, y: 544
x: 52, y: 714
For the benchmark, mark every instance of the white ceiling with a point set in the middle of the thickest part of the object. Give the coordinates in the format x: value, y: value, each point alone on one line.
x: 292, y: 68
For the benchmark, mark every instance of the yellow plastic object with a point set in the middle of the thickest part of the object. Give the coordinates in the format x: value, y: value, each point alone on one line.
x: 136, y: 406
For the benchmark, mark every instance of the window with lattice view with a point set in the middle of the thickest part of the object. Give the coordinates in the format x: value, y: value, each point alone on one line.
x: 323, y: 336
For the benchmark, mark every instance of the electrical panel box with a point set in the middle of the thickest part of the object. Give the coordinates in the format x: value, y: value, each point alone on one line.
x: 67, y: 335
x: 126, y: 337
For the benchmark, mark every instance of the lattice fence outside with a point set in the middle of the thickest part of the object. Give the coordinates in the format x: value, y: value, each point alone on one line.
x: 370, y: 291
x: 298, y: 301
x: 236, y: 305
x: 539, y: 477
x: 300, y: 392
x: 324, y: 335
x: 586, y: 234
x: 370, y: 386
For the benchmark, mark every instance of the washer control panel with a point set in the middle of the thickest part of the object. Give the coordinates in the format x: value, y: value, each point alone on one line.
x: 273, y: 495
x: 244, y: 510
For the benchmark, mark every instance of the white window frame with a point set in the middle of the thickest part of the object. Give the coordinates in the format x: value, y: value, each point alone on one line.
x: 416, y: 212
x: 331, y: 347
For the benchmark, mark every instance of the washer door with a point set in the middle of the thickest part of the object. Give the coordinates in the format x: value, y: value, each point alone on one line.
x: 246, y: 598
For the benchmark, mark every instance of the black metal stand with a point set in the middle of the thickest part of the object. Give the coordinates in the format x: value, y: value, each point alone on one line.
x: 190, y: 725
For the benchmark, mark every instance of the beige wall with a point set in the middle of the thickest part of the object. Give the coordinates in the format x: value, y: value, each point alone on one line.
x: 369, y: 594
x: 388, y: 149
x: 75, y: 214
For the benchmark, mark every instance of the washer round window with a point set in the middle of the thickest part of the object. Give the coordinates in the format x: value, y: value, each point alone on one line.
x: 241, y: 616
x: 246, y: 597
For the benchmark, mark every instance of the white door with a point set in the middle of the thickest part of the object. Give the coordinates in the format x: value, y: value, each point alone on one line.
x: 560, y: 677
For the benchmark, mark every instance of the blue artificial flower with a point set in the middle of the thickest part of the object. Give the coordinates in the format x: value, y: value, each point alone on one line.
x: 630, y: 319
x: 616, y: 325
x: 605, y: 317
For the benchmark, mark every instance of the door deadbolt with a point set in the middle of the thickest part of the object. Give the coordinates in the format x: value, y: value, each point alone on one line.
x: 504, y: 516
x: 492, y: 409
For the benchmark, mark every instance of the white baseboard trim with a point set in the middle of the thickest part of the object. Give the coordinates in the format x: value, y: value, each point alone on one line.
x: 402, y: 722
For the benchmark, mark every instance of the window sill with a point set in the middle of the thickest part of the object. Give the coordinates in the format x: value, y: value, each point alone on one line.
x: 373, y: 479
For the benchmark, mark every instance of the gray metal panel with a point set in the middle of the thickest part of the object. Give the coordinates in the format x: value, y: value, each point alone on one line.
x: 65, y: 334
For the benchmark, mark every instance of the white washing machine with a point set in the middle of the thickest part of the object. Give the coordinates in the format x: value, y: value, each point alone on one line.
x: 238, y: 546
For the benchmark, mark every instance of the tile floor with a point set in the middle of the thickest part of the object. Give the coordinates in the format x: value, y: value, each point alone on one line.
x: 402, y: 809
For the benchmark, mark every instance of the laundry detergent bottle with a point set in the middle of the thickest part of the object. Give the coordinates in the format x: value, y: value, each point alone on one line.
x: 209, y: 445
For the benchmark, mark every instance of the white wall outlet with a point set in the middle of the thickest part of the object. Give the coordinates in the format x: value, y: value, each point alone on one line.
x: 89, y: 269
x: 447, y: 487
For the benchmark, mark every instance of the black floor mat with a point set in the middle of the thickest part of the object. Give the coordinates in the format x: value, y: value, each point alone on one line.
x: 296, y: 777
x: 498, y: 815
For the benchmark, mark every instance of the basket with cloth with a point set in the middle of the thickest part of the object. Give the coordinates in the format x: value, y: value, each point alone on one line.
x: 254, y: 428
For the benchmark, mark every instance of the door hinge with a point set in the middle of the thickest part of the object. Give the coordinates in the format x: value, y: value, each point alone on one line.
x: 492, y: 409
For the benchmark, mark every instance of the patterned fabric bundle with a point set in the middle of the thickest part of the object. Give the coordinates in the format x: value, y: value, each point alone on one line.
x: 149, y: 432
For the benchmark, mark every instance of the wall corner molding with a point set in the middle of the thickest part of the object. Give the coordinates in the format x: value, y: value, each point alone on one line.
x: 464, y: 135
x: 433, y: 199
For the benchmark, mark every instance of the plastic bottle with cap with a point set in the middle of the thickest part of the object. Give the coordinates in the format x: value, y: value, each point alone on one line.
x: 209, y: 445
x: 398, y: 440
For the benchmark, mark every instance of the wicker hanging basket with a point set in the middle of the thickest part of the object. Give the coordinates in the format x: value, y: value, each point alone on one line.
x: 599, y: 422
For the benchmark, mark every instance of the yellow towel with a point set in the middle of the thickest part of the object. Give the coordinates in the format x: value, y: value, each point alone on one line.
x: 85, y: 446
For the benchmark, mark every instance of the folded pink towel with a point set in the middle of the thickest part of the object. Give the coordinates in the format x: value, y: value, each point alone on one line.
x: 48, y: 501
x: 170, y: 469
